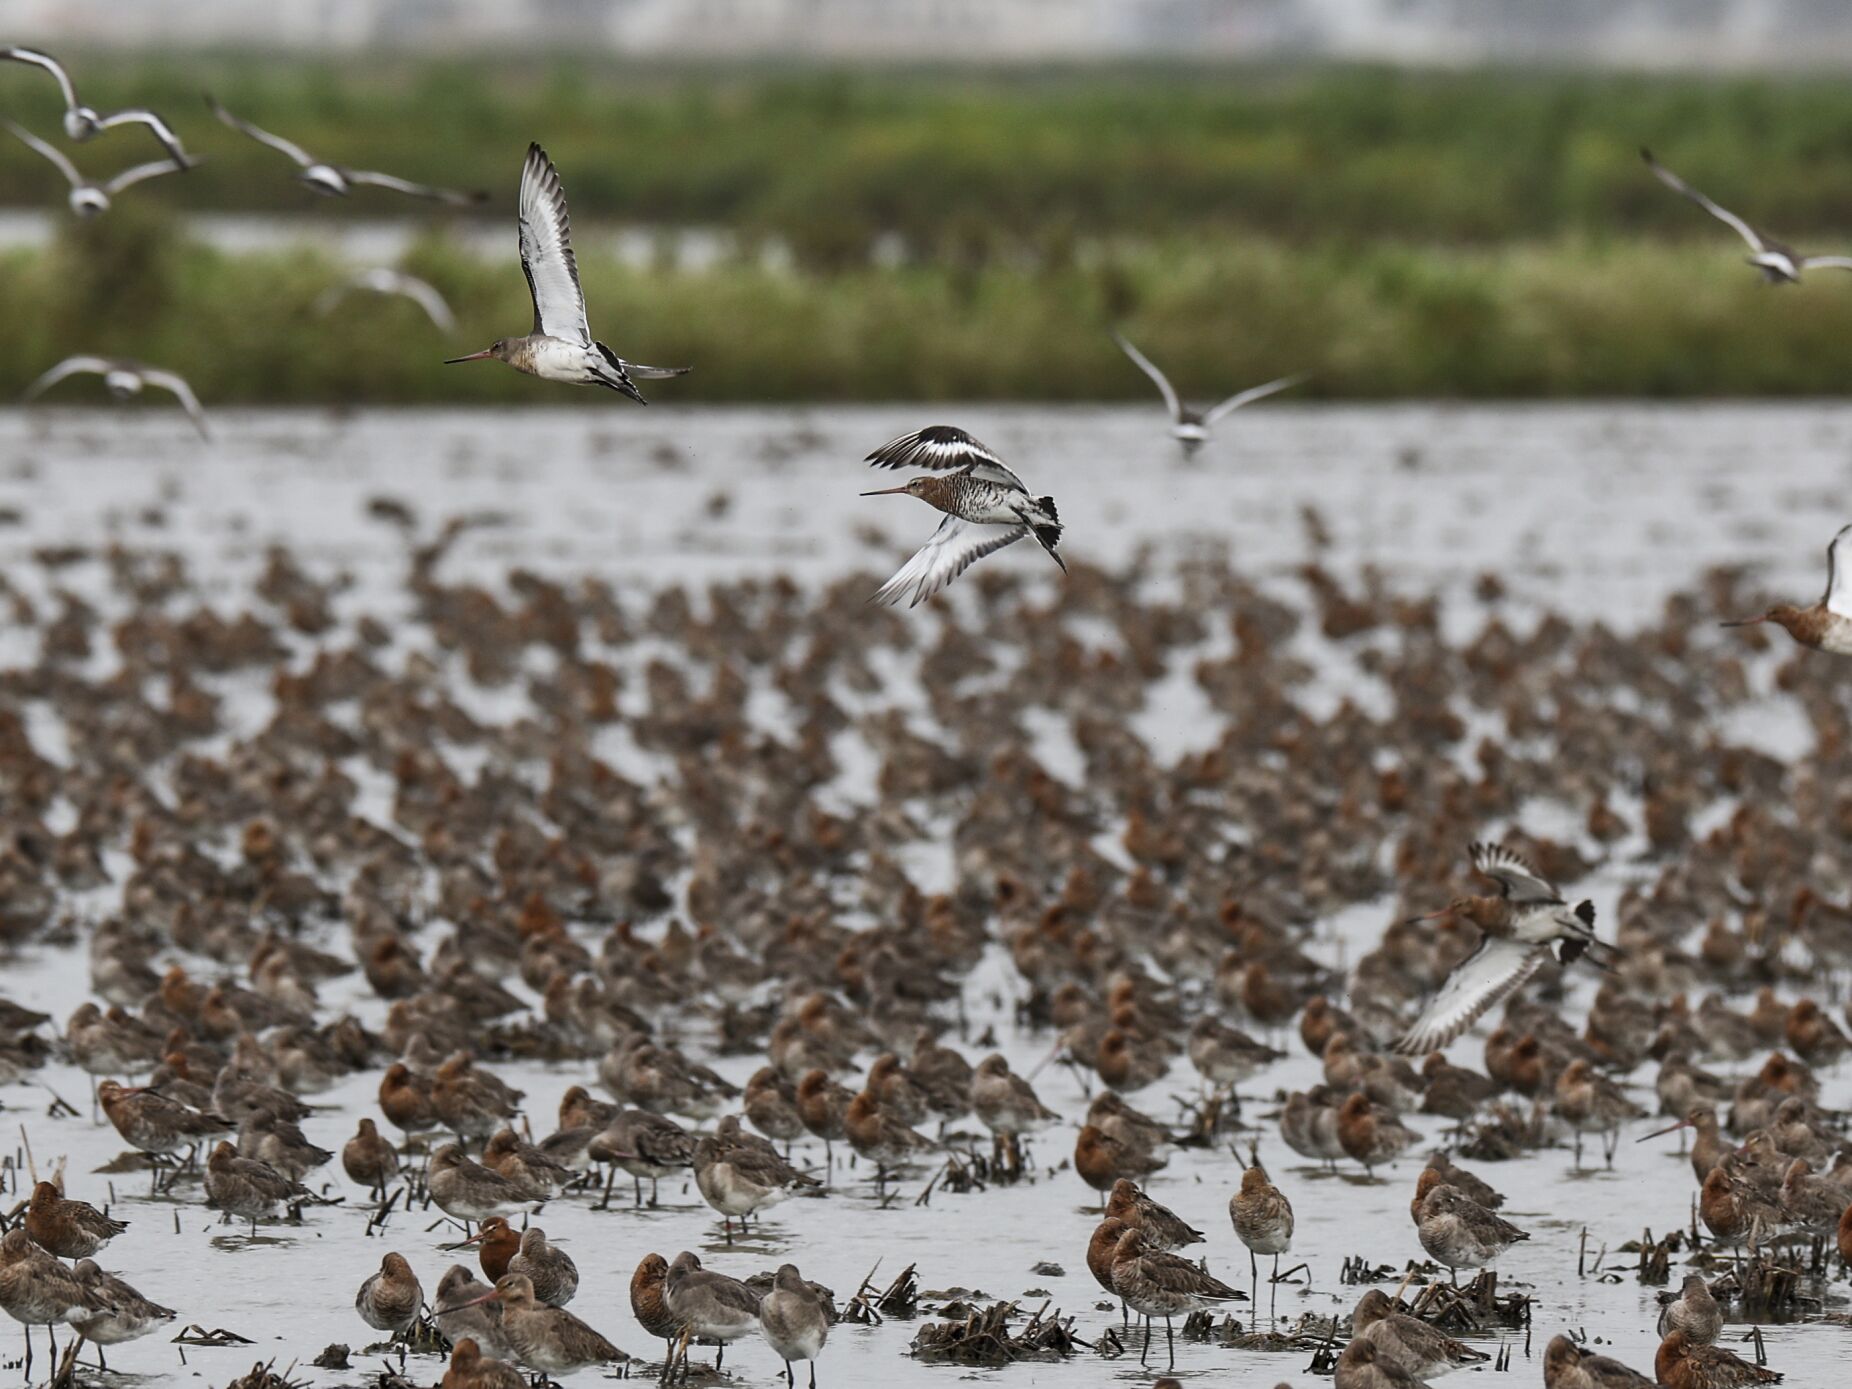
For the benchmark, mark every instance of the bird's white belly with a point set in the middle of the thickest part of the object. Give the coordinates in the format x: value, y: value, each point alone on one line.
x: 555, y: 360
x: 1190, y: 434
x: 1838, y: 638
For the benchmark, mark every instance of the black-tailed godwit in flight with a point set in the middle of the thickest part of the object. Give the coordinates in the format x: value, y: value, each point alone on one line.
x: 986, y: 507
x: 560, y: 347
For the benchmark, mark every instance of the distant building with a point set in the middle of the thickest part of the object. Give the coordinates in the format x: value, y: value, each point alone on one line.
x: 1630, y: 33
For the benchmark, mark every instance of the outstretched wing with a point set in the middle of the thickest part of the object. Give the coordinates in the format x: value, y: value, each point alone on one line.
x: 954, y: 548
x: 149, y: 170
x: 1516, y: 879
x: 70, y: 366
x: 1825, y: 262
x: 46, y: 61
x: 374, y: 179
x: 940, y: 448
x: 1252, y: 394
x: 139, y: 115
x: 1839, y: 574
x: 1481, y: 980
x: 263, y: 137
x: 425, y: 295
x: 546, y: 252
x: 51, y: 152
x: 1149, y: 368
x: 1722, y: 214
x: 172, y: 381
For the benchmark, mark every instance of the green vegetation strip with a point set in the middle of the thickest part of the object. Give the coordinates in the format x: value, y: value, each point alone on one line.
x: 1563, y: 317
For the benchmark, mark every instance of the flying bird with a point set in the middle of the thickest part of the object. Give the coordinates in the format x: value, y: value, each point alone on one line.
x: 986, y: 507
x: 87, y: 197
x: 1527, y: 922
x: 124, y: 379
x: 335, y: 180
x: 83, y: 122
x: 561, y: 346
x: 382, y: 279
x: 1191, y: 428
x: 1827, y: 625
x: 1780, y: 264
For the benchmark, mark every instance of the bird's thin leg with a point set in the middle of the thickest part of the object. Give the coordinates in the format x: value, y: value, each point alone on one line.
x: 1253, y: 1279
x: 1170, y: 1344
x: 1142, y: 1355
x: 1273, y: 1297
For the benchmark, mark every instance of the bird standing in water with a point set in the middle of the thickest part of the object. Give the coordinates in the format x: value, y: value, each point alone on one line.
x: 986, y: 507
x: 561, y: 346
x: 1827, y: 625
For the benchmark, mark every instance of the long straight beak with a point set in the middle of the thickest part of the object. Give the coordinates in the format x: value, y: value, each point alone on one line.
x: 884, y: 491
x: 489, y: 1296
x: 1743, y: 622
x: 465, y: 1243
x: 1669, y: 1128
x: 473, y: 357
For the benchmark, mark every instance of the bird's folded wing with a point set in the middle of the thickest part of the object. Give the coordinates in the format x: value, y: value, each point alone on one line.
x: 1482, y: 979
x: 1839, y: 574
x: 1516, y: 879
x: 954, y: 548
x: 945, y: 448
x: 546, y: 252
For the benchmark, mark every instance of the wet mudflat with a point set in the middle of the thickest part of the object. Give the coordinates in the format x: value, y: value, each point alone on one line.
x: 1595, y: 514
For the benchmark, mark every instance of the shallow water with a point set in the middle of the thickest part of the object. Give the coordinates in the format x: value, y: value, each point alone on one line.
x: 1591, y: 509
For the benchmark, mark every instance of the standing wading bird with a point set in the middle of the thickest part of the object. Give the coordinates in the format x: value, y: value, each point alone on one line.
x: 561, y: 346
x: 986, y: 507
x: 1827, y: 625
x: 1188, y: 427
x: 124, y: 379
x: 383, y: 279
x: 335, y: 180
x: 88, y: 197
x: 1526, y: 922
x: 83, y: 122
x: 1779, y: 264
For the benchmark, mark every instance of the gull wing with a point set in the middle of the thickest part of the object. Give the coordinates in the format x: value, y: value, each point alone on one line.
x: 1722, y: 214
x: 70, y: 366
x: 140, y: 115
x: 1839, y: 574
x: 149, y: 170
x: 1252, y: 394
x: 51, y: 152
x: 49, y: 63
x: 374, y: 179
x: 1485, y: 977
x: 1149, y: 367
x: 172, y: 381
x: 263, y: 137
x: 940, y: 448
x: 546, y: 252
x: 1516, y: 879
x: 1825, y: 262
x: 420, y: 292
x: 953, y: 548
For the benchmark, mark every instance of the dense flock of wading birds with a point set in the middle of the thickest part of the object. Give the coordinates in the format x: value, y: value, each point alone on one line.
x: 241, y: 857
